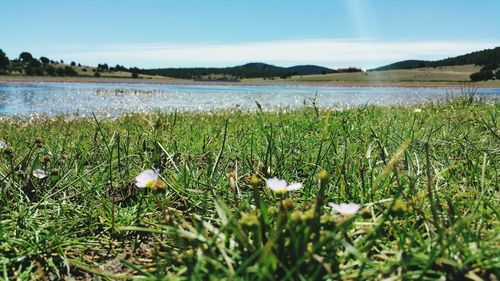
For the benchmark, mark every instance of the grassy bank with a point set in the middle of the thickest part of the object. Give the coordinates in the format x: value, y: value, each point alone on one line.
x: 426, y: 180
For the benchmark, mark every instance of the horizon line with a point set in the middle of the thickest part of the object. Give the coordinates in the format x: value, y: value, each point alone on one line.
x: 330, y: 53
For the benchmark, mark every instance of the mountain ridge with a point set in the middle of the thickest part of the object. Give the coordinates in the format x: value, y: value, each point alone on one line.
x: 248, y: 70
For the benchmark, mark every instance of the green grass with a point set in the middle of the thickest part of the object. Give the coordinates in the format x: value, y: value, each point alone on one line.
x: 428, y: 183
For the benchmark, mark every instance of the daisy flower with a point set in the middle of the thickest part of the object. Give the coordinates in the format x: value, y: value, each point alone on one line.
x: 2, y: 144
x: 149, y: 179
x: 280, y: 186
x: 39, y: 173
x: 345, y: 209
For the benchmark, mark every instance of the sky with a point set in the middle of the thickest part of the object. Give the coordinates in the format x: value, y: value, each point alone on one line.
x: 186, y: 33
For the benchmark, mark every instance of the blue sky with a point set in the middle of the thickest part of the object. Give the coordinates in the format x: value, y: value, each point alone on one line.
x: 164, y: 33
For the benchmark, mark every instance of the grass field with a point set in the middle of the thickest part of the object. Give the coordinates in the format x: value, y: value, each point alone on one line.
x: 420, y: 76
x: 427, y: 180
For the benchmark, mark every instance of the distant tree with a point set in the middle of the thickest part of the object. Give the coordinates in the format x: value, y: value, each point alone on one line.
x: 69, y: 71
x: 102, y: 67
x: 490, y: 66
x: 135, y: 72
x: 73, y: 63
x: 35, y: 63
x: 29, y: 70
x: 44, y: 60
x: 62, y: 61
x: 51, y: 71
x: 497, y: 75
x: 118, y: 68
x: 39, y: 71
x: 4, y: 60
x: 476, y: 76
x: 60, y: 71
x: 16, y: 66
x: 481, y: 76
x: 79, y: 65
x: 25, y: 57
x: 97, y: 74
x: 34, y: 69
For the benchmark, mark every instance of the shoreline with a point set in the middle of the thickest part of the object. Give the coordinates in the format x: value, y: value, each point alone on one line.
x: 131, y: 81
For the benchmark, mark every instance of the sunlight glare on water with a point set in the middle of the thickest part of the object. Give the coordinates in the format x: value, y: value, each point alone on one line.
x: 83, y: 99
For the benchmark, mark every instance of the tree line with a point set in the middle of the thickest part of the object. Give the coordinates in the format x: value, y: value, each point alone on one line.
x: 29, y: 65
x: 26, y: 64
x: 249, y: 70
x: 489, y: 60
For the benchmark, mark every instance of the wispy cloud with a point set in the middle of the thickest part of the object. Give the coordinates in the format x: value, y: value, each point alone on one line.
x: 332, y: 53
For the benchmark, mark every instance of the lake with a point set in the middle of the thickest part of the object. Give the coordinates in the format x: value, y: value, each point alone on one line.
x: 103, y: 99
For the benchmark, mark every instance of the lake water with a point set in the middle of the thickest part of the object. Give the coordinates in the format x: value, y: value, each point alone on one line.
x: 83, y: 99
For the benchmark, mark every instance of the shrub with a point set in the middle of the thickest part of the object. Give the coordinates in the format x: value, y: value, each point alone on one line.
x: 35, y: 63
x: 490, y: 66
x: 51, y: 71
x: 29, y: 70
x: 60, y: 71
x: 25, y: 57
x: 497, y: 75
x: 4, y: 60
x: 102, y: 67
x: 69, y: 71
x: 44, y: 60
x: 97, y: 74
x: 481, y: 76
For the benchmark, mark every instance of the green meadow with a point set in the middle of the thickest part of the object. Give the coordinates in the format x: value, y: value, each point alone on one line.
x: 426, y: 179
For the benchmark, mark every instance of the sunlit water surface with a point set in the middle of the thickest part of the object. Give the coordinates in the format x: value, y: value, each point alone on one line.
x: 83, y: 99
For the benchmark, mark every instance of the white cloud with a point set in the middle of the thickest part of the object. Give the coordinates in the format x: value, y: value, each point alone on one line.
x: 332, y: 53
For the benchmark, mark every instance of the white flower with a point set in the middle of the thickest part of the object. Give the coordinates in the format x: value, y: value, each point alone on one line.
x: 345, y: 209
x: 149, y: 178
x: 39, y: 173
x: 3, y: 144
x: 417, y: 110
x: 280, y: 186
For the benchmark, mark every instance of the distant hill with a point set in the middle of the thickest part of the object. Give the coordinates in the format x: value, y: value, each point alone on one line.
x: 482, y: 58
x: 310, y: 69
x: 249, y: 70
